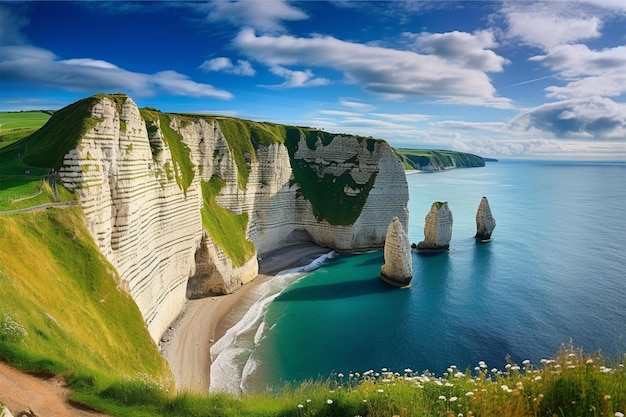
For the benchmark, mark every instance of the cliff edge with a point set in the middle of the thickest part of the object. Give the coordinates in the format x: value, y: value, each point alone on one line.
x: 182, y: 205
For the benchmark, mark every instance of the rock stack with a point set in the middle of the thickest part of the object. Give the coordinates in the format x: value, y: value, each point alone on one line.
x: 485, y: 223
x: 437, y: 229
x: 398, y: 267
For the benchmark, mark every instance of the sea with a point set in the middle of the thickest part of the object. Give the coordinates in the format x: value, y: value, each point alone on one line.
x: 553, y: 275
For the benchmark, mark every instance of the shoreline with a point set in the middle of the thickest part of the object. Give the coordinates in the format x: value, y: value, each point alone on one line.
x: 187, y: 343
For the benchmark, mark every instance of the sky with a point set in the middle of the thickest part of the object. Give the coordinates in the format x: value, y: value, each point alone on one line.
x: 503, y: 79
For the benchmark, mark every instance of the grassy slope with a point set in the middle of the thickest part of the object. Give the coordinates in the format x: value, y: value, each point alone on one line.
x: 68, y: 317
x: 17, y: 125
x: 73, y: 314
x: 228, y: 230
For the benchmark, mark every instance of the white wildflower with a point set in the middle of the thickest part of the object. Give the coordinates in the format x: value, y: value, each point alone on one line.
x: 442, y: 397
x: 329, y: 401
x: 453, y: 399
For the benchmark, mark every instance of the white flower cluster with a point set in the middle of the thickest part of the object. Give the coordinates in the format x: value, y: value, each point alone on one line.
x: 11, y: 330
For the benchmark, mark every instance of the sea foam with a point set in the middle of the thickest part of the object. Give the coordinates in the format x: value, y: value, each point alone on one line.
x: 231, y: 355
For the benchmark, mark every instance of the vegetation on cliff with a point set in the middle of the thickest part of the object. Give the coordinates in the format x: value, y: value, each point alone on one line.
x: 325, y: 191
x: 183, y: 170
x: 244, y: 137
x: 228, y: 230
x: 69, y: 318
x: 437, y: 160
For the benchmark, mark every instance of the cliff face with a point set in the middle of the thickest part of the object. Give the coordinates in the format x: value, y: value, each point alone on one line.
x: 164, y: 195
x: 398, y: 267
x: 438, y: 160
x: 437, y: 228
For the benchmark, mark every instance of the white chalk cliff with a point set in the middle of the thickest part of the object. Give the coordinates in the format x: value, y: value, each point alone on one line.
x: 485, y: 223
x: 398, y: 267
x: 437, y: 228
x: 145, y: 211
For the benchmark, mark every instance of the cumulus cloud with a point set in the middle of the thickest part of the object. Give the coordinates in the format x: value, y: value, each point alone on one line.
x: 391, y: 73
x: 25, y: 63
x: 462, y: 48
x: 223, y: 64
x: 579, y: 60
x: 589, y: 118
x: 260, y: 15
x: 547, y: 24
x: 295, y: 78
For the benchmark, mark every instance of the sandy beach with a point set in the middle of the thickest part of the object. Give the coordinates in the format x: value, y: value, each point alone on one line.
x: 187, y: 344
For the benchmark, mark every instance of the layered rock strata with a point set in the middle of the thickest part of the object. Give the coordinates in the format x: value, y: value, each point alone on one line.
x: 398, y: 267
x: 485, y: 223
x: 143, y: 187
x: 437, y: 229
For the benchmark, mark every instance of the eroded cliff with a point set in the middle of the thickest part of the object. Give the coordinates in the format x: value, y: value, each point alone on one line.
x: 182, y: 205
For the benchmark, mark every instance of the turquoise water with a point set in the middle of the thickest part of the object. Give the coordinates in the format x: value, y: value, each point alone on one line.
x: 555, y: 271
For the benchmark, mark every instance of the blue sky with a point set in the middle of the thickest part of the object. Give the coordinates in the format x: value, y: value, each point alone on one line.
x: 504, y: 79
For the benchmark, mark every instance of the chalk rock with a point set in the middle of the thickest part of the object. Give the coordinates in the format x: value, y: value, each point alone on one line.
x: 437, y: 229
x: 146, y: 216
x: 485, y: 223
x: 398, y: 267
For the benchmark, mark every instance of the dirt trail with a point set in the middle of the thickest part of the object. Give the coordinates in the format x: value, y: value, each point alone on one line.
x: 45, y: 396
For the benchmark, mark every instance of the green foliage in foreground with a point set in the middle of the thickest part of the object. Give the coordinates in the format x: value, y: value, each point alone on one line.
x: 437, y: 159
x: 228, y: 230
x: 62, y: 311
x: 571, y: 384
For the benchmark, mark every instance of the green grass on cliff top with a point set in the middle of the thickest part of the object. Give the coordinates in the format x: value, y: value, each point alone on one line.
x: 61, y: 309
x: 438, y: 159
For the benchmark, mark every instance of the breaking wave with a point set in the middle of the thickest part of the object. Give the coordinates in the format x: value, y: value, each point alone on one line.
x: 231, y: 355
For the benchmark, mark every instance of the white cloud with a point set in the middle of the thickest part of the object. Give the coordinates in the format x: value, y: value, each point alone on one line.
x: 547, y: 24
x: 180, y: 85
x: 357, y: 105
x: 265, y: 16
x: 88, y: 62
x: 462, y: 49
x: 588, y: 118
x: 391, y: 73
x: 294, y: 79
x: 40, y: 66
x: 223, y: 64
x: 580, y: 60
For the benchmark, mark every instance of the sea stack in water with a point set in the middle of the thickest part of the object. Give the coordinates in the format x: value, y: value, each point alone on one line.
x: 485, y: 223
x: 398, y: 267
x: 437, y: 229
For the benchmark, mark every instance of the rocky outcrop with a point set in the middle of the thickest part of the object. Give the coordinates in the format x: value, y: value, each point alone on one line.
x: 485, y: 223
x: 437, y: 229
x: 398, y: 267
x: 160, y: 193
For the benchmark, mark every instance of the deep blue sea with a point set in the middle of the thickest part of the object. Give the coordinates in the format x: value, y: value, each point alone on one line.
x: 554, y: 272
